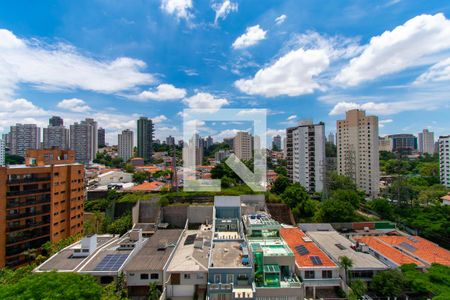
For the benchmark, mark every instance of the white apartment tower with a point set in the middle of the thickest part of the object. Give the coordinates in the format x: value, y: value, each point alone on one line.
x: 2, y: 152
x: 242, y: 144
x: 56, y: 135
x: 23, y: 137
x: 426, y: 142
x: 125, y: 144
x: 306, y: 155
x: 84, y: 140
x: 357, y: 150
x: 444, y: 160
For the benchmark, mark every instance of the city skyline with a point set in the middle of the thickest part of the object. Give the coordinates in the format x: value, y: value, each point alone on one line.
x: 240, y: 42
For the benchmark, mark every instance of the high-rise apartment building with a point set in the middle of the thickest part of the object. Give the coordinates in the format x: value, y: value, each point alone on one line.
x: 426, y: 142
x: 229, y: 142
x: 56, y: 135
x: 306, y: 155
x: 209, y: 142
x: 84, y: 140
x: 125, y: 144
x: 23, y: 137
x: 444, y: 160
x: 40, y: 201
x: 330, y: 138
x: 2, y: 152
x: 243, y: 146
x: 101, y: 137
x: 403, y: 143
x: 145, y: 138
x: 170, y: 140
x: 385, y: 144
x: 357, y: 150
x: 276, y: 143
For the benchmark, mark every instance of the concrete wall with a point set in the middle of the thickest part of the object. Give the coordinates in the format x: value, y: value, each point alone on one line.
x: 174, y: 215
x: 200, y: 214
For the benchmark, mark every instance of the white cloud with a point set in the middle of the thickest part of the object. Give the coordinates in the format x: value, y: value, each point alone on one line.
x: 251, y: 37
x: 159, y: 119
x: 438, y: 72
x: 206, y: 101
x: 407, y: 45
x: 163, y: 92
x: 227, y: 133
x: 292, y: 75
x: 74, y: 104
x: 56, y: 67
x: 274, y: 132
x: 179, y: 8
x: 223, y: 9
x: 384, y: 108
x: 381, y: 123
x: 280, y: 20
x: 292, y: 117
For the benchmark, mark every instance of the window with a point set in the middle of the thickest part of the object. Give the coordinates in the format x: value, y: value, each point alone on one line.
x: 309, y: 275
x: 217, y: 278
x: 327, y: 274
x: 144, y: 276
x: 154, y: 276
x: 230, y: 278
x: 187, y: 276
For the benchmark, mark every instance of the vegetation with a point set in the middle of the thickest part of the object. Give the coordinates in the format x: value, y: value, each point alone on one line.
x: 346, y: 263
x: 121, y: 225
x: 105, y: 159
x: 153, y: 291
x: 11, y: 159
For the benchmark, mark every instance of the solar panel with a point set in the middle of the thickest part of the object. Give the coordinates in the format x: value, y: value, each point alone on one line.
x: 407, y: 246
x: 316, y: 260
x: 111, y: 262
x: 301, y: 250
x: 190, y: 239
x: 413, y: 239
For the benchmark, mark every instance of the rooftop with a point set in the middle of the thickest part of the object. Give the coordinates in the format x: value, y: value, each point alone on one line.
x: 227, y: 255
x: 149, y: 186
x: 336, y: 246
x: 296, y: 238
x: 270, y: 246
x: 155, y: 252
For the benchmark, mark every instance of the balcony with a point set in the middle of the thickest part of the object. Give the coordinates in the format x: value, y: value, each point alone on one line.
x: 28, y: 180
x: 28, y: 214
x: 27, y: 203
x: 27, y: 192
x: 24, y: 227
x: 322, y: 282
x: 11, y: 241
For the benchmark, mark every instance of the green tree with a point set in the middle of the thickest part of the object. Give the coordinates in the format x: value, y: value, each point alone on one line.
x: 11, y: 159
x: 383, y: 208
x: 339, y: 182
x: 359, y: 289
x: 294, y: 195
x: 346, y: 263
x: 128, y: 168
x: 121, y: 225
x: 350, y: 196
x: 280, y: 170
x: 153, y: 291
x: 389, y: 283
x: 227, y: 182
x: 337, y: 211
x: 140, y: 177
x: 280, y: 184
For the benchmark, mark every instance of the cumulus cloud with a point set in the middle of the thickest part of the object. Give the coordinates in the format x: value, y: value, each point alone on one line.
x: 159, y: 119
x: 223, y: 9
x: 438, y: 72
x: 292, y: 117
x: 56, y: 67
x: 405, y: 46
x: 280, y: 20
x: 162, y: 92
x: 206, y: 101
x: 382, y: 123
x: 252, y: 36
x: 74, y: 104
x: 384, y: 108
x: 292, y: 75
x: 181, y: 9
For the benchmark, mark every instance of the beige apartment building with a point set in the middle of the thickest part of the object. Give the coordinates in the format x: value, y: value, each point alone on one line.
x: 242, y: 145
x: 357, y: 150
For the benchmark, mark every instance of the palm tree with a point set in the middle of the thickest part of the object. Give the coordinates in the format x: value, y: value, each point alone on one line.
x: 346, y: 263
x: 153, y: 291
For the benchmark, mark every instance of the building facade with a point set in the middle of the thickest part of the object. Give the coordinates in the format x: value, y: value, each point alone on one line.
x: 84, y: 140
x: 357, y: 150
x: 145, y: 138
x: 2, y: 152
x: 444, y: 160
x: 40, y: 201
x: 56, y: 135
x: 404, y: 143
x: 426, y: 142
x: 330, y: 138
x: 276, y: 143
x: 170, y: 140
x: 23, y: 137
x: 101, y: 137
x: 306, y: 155
x: 385, y: 144
x: 125, y: 144
x: 242, y: 145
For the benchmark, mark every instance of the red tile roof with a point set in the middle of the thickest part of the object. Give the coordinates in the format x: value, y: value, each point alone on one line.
x: 425, y: 250
x: 294, y: 238
x: 148, y: 186
x: 388, y: 251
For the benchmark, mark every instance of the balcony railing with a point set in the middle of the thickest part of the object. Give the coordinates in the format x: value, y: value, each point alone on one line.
x: 27, y: 203
x: 27, y: 192
x: 28, y: 180
x: 26, y: 226
x: 26, y: 237
x: 28, y: 214
x: 322, y: 282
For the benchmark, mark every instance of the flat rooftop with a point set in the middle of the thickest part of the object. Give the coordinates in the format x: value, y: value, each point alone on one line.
x: 336, y: 245
x: 64, y: 261
x: 419, y: 248
x: 270, y: 246
x: 304, y: 249
x: 227, y: 255
x: 192, y: 253
x: 155, y: 252
x: 388, y: 251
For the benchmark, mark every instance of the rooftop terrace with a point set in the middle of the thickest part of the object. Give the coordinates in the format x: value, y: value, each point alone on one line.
x: 229, y: 255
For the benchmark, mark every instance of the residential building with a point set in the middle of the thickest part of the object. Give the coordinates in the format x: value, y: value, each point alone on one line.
x: 125, y: 145
x: 385, y: 144
x: 229, y: 142
x: 84, y: 140
x: 180, y: 143
x: 40, y: 201
x: 242, y: 145
x: 112, y: 177
x: 101, y: 137
x: 221, y: 155
x: 209, y: 142
x: 444, y: 160
x: 7, y: 140
x: 426, y: 142
x: 276, y: 143
x: 145, y: 138
x: 23, y: 137
x: 330, y: 138
x: 357, y: 150
x: 170, y: 140
x: 2, y: 152
x: 306, y: 155
x: 404, y: 143
x: 56, y: 135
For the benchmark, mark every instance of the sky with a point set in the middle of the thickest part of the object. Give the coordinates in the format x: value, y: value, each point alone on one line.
x: 115, y: 61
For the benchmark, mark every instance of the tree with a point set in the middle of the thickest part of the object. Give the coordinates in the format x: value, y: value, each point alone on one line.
x: 52, y: 285
x: 359, y: 289
x: 340, y: 182
x: 140, y: 177
x: 389, y: 283
x: 280, y: 184
x: 337, y: 211
x: 129, y: 168
x: 350, y: 196
x: 383, y: 208
x: 11, y: 159
x: 294, y: 195
x: 153, y: 291
x: 280, y: 170
x: 121, y: 225
x: 227, y: 182
x: 346, y: 263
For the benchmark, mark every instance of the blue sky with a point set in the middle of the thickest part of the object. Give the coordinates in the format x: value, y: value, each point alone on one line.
x: 118, y: 60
